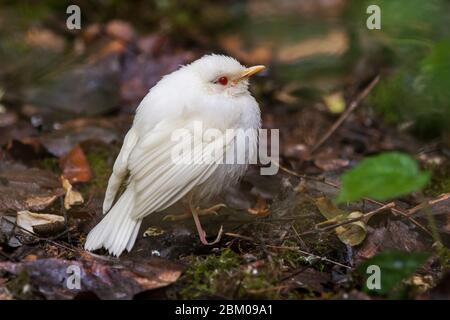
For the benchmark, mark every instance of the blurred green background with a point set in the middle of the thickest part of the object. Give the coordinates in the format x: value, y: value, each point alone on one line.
x: 315, y: 48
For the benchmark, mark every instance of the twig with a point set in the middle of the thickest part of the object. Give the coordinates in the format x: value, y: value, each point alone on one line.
x: 40, y: 238
x: 353, y: 105
x: 331, y: 184
x: 235, y: 235
x: 427, y: 204
x: 365, y: 216
x: 310, y: 254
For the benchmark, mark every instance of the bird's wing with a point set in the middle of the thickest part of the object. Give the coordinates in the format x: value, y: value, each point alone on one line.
x: 158, y: 179
x: 120, y: 169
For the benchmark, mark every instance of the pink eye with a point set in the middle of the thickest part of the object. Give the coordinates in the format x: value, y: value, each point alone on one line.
x: 223, y: 81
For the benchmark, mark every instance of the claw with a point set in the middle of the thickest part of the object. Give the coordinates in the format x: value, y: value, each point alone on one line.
x: 205, y: 242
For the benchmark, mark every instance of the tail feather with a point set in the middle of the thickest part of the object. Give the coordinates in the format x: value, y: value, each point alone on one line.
x: 117, y: 231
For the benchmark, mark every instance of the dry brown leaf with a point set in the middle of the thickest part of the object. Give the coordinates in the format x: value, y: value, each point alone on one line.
x: 108, y: 279
x: 334, y: 43
x: 260, y: 209
x: 72, y: 197
x: 46, y: 39
x: 234, y: 45
x: 75, y: 166
x: 23, y: 188
x: 353, y: 233
x: 27, y: 219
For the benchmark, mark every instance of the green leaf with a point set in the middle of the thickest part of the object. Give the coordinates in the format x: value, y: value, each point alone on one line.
x: 394, y: 266
x: 382, y: 177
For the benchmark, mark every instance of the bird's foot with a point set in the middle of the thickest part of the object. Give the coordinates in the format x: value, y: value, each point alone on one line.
x: 201, y: 212
x: 202, y: 235
x: 212, y: 210
x: 196, y: 212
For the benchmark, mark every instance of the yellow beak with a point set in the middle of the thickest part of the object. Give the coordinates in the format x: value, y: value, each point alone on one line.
x: 249, y: 72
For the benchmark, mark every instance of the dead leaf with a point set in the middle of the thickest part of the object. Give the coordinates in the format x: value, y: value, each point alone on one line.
x: 72, y: 197
x: 334, y: 43
x: 23, y: 188
x: 62, y: 141
x: 153, y: 232
x: 331, y: 164
x: 108, y: 279
x: 309, y: 279
x: 335, y: 102
x: 328, y: 209
x: 234, y: 45
x: 121, y: 30
x: 75, y: 166
x: 353, y: 233
x: 46, y: 39
x: 396, y: 236
x: 261, y: 209
x: 27, y: 219
x: 7, y: 119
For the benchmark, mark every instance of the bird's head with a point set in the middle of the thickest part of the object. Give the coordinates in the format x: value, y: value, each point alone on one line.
x: 222, y: 75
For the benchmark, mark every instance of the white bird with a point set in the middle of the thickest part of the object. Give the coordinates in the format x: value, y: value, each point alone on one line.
x: 212, y: 90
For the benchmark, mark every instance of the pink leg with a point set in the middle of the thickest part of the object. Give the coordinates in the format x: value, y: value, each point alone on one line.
x: 201, y: 232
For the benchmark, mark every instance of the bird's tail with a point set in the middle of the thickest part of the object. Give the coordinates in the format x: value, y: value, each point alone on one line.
x: 117, y: 231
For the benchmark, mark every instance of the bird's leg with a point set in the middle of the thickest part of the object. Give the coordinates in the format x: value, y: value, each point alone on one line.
x: 201, y: 233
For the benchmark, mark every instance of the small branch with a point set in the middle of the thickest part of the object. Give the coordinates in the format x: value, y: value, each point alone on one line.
x: 310, y: 254
x: 378, y: 203
x: 235, y: 235
x: 428, y: 204
x: 353, y: 105
x: 365, y: 217
x: 49, y: 240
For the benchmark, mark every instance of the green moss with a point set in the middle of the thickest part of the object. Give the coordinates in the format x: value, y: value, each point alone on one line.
x: 202, y: 277
x: 51, y: 164
x: 443, y: 254
x: 440, y: 181
x: 20, y: 286
x: 227, y: 275
x: 101, y: 169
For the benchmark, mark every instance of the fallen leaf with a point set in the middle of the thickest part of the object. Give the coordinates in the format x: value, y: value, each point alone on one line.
x: 331, y: 164
x: 153, y: 232
x: 328, y: 209
x: 72, y: 197
x: 121, y: 30
x: 27, y: 219
x: 334, y: 43
x: 353, y: 233
x: 7, y: 119
x: 23, y: 188
x: 260, y: 209
x: 309, y: 279
x: 335, y: 102
x: 108, y: 279
x: 75, y: 166
x: 62, y: 141
x: 396, y: 236
x: 46, y: 39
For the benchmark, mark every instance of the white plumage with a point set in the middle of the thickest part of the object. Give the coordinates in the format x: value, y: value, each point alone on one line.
x: 212, y: 91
